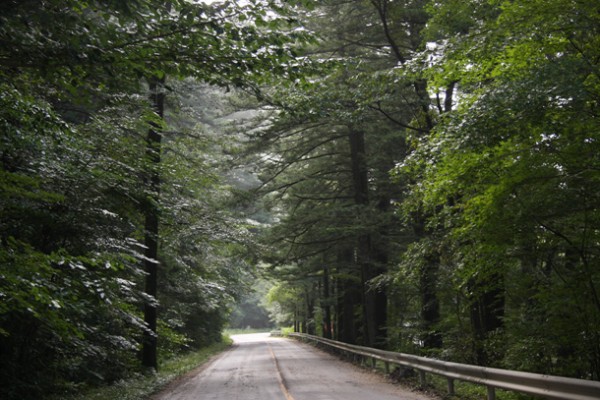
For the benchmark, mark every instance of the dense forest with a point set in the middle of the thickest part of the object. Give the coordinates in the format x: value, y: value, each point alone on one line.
x: 416, y: 175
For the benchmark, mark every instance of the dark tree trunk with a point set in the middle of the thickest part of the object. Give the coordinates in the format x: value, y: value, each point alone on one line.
x: 380, y: 316
x: 153, y: 150
x: 348, y: 298
x: 296, y: 321
x: 310, y: 313
x: 360, y: 180
x: 358, y: 160
x: 370, y: 261
x: 303, y: 327
x: 430, y: 305
x: 326, y: 306
x: 428, y: 281
x: 380, y: 254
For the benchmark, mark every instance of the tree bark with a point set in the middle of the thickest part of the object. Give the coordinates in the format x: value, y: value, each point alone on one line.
x: 152, y: 219
x: 430, y: 304
x: 325, y: 305
x: 348, y: 297
x: 360, y: 180
x: 310, y: 312
x: 374, y: 301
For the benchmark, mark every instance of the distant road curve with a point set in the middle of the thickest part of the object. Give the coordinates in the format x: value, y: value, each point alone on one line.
x: 260, y: 367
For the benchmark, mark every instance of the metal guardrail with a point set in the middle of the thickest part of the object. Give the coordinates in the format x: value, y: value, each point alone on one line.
x: 546, y: 386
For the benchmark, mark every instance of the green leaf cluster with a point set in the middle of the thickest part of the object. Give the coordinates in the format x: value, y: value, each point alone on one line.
x: 75, y: 166
x: 508, y: 178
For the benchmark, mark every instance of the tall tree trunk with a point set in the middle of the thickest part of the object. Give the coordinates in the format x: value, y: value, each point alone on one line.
x: 380, y: 316
x: 374, y: 301
x: 360, y: 180
x: 380, y: 248
x: 348, y: 296
x: 310, y: 311
x: 325, y: 305
x: 428, y: 282
x: 430, y: 305
x: 152, y: 217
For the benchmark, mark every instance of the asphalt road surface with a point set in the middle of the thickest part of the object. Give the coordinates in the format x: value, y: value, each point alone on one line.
x: 259, y: 367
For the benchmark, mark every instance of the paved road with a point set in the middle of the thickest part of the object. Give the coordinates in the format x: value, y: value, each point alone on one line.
x: 259, y: 367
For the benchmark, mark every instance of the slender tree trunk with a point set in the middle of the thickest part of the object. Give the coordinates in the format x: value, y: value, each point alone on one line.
x: 310, y: 312
x: 152, y: 217
x: 360, y: 180
x: 380, y: 316
x: 347, y: 326
x: 325, y: 305
x: 348, y: 297
x: 335, y: 308
x: 296, y: 322
x: 380, y: 248
x: 430, y: 305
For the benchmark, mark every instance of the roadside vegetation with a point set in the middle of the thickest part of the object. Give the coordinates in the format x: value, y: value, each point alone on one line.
x: 124, y: 237
x: 142, y: 386
x: 437, y: 188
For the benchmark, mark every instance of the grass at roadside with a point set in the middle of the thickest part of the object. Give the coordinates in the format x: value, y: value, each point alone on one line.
x: 287, y: 330
x: 141, y: 387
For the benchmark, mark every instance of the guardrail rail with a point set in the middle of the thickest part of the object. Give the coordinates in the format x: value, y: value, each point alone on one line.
x: 546, y: 386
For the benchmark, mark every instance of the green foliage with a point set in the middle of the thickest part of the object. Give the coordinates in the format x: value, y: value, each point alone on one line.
x: 65, y: 270
x: 485, y: 111
x: 508, y: 179
x: 282, y: 303
x: 140, y: 387
x: 73, y: 172
x: 251, y: 310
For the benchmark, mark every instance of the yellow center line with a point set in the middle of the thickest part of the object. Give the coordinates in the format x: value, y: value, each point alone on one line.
x: 282, y: 384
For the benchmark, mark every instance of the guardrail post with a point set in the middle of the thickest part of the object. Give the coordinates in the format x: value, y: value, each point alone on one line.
x: 374, y: 362
x: 387, y: 367
x: 450, y: 386
x: 422, y: 379
x: 491, y: 393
